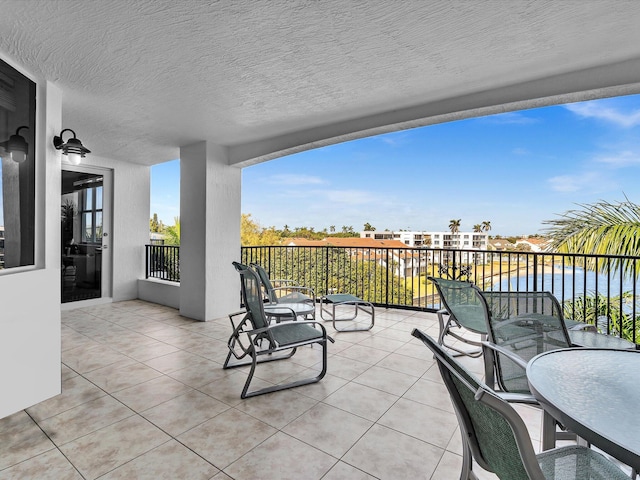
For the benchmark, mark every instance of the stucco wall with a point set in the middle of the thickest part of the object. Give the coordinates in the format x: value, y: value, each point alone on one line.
x: 130, y: 230
x: 30, y: 297
x: 159, y: 291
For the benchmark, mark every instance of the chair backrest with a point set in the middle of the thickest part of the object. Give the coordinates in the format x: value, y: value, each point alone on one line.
x: 461, y: 300
x: 526, y: 323
x: 496, y: 435
x: 252, y: 295
x: 266, y: 282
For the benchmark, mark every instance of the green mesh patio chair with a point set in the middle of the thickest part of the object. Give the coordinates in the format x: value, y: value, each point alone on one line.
x: 477, y: 311
x: 286, y: 292
x: 299, y: 298
x: 254, y: 340
x: 463, y: 309
x: 521, y: 324
x: 495, y: 436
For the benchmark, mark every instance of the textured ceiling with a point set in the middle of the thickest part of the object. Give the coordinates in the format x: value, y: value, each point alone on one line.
x: 267, y: 77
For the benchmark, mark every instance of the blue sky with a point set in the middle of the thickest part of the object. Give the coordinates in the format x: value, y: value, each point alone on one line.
x: 514, y: 169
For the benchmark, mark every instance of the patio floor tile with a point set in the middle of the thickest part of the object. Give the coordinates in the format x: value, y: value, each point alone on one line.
x: 144, y: 395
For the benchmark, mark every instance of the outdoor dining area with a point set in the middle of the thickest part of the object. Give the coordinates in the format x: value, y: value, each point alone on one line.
x: 146, y: 395
x: 531, y: 355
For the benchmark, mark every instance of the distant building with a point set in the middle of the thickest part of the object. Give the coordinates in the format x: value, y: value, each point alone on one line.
x: 156, y: 238
x: 410, y: 239
x: 537, y: 244
x: 500, y: 245
x: 417, y: 239
x: 394, y: 254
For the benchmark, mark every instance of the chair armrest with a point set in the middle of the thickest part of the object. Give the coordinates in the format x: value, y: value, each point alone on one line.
x: 518, y: 398
x: 507, y: 353
x: 272, y: 327
x: 296, y: 288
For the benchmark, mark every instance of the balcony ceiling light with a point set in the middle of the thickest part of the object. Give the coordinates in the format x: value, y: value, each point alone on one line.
x: 16, y: 146
x: 73, y: 147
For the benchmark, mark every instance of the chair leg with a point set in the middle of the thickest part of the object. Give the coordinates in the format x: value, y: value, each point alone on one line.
x: 445, y: 329
x: 275, y: 388
x: 272, y: 358
x: 467, y: 462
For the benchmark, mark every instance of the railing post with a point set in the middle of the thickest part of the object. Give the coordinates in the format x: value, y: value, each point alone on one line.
x: 326, y: 271
x: 386, y: 283
x: 146, y: 260
x: 535, y: 272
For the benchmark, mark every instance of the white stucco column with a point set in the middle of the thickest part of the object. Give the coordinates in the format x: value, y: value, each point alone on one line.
x: 210, y: 197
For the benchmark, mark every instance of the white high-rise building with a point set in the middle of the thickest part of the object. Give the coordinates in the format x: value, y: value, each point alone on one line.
x: 417, y: 239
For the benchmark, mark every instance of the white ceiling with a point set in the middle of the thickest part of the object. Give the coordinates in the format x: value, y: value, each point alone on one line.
x: 140, y: 78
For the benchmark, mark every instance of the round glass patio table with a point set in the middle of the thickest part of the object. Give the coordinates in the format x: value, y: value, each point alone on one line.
x: 594, y: 393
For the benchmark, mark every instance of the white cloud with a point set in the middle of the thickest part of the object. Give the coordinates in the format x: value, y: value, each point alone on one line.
x: 293, y: 179
x: 599, y: 110
x: 520, y: 151
x: 395, y: 139
x: 592, y: 181
x: 623, y: 159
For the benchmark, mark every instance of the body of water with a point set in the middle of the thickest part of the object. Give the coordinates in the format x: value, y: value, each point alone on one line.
x: 573, y: 282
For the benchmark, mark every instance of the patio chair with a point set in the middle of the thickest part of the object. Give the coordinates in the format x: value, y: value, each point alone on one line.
x: 520, y: 326
x: 255, y: 341
x: 477, y: 311
x: 464, y: 309
x: 495, y: 436
x: 299, y: 298
x: 295, y: 293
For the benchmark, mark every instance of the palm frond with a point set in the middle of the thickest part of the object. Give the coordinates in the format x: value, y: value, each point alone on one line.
x: 602, y: 228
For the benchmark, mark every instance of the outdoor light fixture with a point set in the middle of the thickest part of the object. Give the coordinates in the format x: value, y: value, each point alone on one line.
x: 73, y: 147
x: 16, y: 146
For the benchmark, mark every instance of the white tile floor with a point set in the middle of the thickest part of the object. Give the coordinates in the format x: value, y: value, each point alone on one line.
x: 144, y: 396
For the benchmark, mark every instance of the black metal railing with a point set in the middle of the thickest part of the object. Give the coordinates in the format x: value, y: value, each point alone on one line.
x: 598, y: 289
x: 163, y: 262
x: 594, y: 288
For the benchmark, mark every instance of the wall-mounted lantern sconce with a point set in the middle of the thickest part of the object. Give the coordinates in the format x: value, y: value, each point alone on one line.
x: 17, y: 147
x: 73, y: 147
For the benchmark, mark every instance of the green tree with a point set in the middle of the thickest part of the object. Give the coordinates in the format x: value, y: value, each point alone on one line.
x: 344, y: 272
x: 369, y: 228
x: 486, y: 226
x: 155, y: 225
x: 253, y: 234
x: 601, y: 228
x: 477, y: 228
x: 595, y: 309
x: 172, y: 233
x: 454, y: 226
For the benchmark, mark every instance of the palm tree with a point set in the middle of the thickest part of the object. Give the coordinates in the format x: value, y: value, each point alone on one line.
x: 454, y: 226
x: 486, y: 226
x: 332, y: 228
x: 601, y: 228
x: 477, y: 228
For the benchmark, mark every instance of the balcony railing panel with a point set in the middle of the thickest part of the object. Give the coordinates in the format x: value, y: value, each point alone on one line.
x: 592, y: 288
x: 163, y: 262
